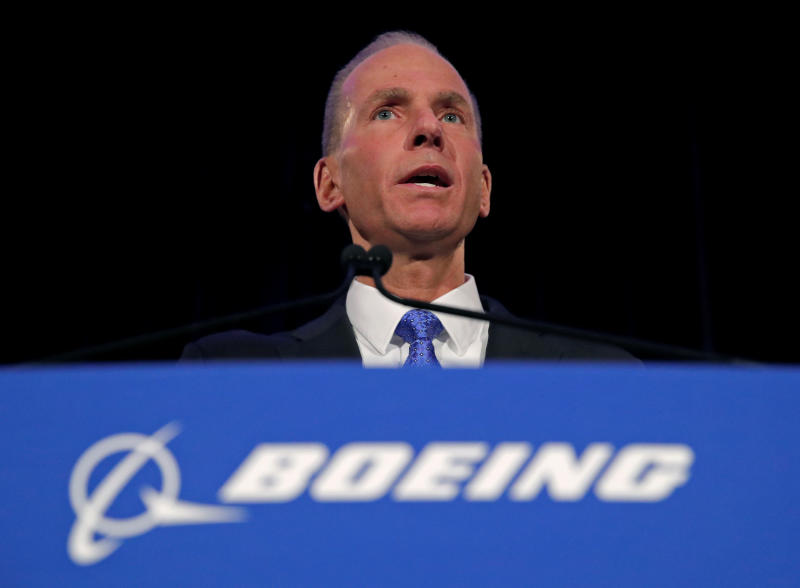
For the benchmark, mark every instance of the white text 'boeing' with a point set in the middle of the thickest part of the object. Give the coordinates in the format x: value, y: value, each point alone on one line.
x: 361, y: 472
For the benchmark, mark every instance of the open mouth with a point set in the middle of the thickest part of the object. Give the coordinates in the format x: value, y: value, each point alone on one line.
x: 428, y: 178
x: 428, y: 181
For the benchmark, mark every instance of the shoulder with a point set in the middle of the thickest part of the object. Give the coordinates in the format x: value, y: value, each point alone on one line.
x: 237, y: 344
x: 513, y: 343
x: 329, y: 336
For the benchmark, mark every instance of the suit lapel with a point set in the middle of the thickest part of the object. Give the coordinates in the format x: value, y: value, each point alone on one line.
x: 329, y: 336
x: 510, y: 343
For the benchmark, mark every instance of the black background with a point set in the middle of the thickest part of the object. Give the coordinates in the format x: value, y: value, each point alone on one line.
x: 162, y: 173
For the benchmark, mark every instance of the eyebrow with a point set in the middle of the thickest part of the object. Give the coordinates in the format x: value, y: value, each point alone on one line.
x: 451, y: 98
x: 389, y: 94
x: 444, y: 98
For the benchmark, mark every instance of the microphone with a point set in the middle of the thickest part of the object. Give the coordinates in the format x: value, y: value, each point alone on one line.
x: 379, y: 260
x: 353, y: 258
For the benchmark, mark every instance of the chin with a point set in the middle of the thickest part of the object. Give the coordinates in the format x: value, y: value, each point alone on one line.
x: 442, y: 237
x: 428, y: 230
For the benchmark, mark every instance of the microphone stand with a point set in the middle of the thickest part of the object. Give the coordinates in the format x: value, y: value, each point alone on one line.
x: 198, y: 328
x: 376, y: 263
x: 379, y: 259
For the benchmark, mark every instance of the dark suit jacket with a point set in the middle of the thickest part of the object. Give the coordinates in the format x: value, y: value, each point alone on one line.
x: 331, y: 337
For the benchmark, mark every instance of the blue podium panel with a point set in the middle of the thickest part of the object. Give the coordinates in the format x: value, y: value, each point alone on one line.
x: 331, y: 475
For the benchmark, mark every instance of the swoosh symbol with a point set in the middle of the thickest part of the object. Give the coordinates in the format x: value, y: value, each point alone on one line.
x: 161, y: 508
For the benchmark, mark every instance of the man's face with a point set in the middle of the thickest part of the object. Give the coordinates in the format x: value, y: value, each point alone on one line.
x: 409, y: 169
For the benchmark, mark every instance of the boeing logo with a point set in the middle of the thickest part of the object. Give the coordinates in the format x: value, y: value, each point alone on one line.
x: 363, y: 472
x: 161, y: 508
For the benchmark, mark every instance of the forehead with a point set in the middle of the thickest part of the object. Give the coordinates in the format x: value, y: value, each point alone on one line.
x: 408, y: 66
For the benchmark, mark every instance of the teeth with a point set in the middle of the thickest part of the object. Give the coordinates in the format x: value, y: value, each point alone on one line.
x: 426, y: 184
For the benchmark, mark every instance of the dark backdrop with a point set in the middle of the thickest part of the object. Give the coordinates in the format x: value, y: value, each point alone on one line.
x: 164, y: 175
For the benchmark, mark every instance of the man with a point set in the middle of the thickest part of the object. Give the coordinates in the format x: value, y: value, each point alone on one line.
x: 402, y: 163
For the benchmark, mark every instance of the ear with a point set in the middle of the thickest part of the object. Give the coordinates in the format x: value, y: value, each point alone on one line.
x: 486, y: 191
x: 326, y: 184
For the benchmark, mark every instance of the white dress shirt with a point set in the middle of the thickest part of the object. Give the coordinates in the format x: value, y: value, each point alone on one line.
x: 462, y: 342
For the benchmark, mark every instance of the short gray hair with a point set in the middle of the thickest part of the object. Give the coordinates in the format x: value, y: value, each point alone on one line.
x: 334, y: 115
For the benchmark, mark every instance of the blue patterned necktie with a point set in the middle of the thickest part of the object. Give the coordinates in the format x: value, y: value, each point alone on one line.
x: 418, y: 328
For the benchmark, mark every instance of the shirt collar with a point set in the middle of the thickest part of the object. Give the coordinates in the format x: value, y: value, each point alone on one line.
x: 375, y: 317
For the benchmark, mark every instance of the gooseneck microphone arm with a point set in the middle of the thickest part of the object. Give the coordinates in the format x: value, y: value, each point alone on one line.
x: 351, y: 258
x: 375, y: 264
x: 379, y: 259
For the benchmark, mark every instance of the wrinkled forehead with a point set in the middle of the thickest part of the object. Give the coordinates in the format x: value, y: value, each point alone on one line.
x: 408, y: 66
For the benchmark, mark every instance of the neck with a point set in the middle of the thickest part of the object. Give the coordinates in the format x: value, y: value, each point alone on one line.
x: 423, y: 277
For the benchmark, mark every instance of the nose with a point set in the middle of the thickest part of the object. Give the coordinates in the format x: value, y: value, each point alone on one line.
x: 426, y: 132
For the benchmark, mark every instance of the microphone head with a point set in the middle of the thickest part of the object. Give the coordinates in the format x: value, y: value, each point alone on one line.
x: 380, y: 257
x: 353, y: 255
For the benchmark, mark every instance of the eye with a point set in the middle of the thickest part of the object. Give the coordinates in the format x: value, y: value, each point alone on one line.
x: 384, y: 114
x: 452, y: 117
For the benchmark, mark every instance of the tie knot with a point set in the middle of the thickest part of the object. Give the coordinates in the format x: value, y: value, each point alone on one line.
x: 417, y: 325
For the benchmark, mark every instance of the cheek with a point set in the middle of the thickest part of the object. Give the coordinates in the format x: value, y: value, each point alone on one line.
x: 470, y: 159
x: 476, y: 178
x: 364, y: 162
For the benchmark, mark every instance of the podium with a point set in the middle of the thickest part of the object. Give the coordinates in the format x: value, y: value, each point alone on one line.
x: 247, y: 474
